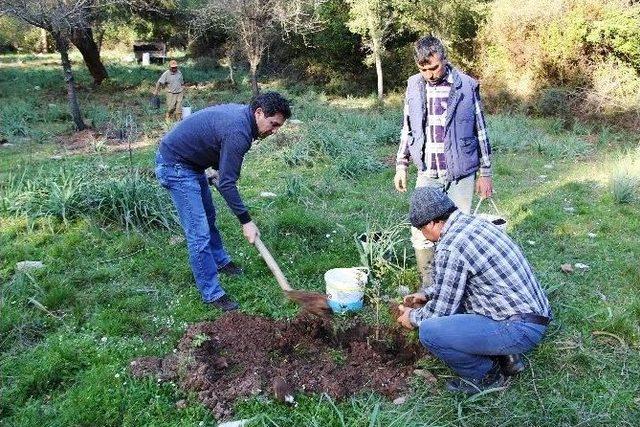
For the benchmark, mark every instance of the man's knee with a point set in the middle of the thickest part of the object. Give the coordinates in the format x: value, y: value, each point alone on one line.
x: 431, y: 333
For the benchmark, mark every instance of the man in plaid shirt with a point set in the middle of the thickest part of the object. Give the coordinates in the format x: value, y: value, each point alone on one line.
x: 444, y: 133
x: 483, y: 306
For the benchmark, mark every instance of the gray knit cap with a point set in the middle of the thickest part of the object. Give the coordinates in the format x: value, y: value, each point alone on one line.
x: 427, y: 204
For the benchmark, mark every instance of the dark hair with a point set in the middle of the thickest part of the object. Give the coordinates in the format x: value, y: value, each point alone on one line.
x: 445, y: 216
x: 271, y: 103
x: 427, y: 46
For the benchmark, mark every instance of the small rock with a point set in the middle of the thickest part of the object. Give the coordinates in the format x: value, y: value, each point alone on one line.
x: 531, y: 242
x: 567, y: 268
x: 542, y: 177
x: 283, y: 391
x: 28, y: 265
x: 548, y: 166
x: 592, y: 235
x: 239, y: 423
x: 428, y: 376
x: 295, y: 121
x: 181, y: 404
x: 581, y: 266
x: 399, y: 400
x: 56, y: 157
x: 268, y: 194
x: 569, y: 209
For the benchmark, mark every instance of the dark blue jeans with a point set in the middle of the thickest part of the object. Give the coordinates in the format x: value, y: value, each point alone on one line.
x: 192, y: 198
x: 466, y: 342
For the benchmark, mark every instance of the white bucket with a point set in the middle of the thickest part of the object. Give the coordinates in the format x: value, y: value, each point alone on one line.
x: 146, y: 58
x: 496, y: 219
x: 186, y: 112
x: 345, y: 288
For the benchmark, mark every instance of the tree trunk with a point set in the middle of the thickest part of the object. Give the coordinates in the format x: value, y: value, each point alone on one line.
x: 253, y: 65
x: 82, y: 38
x: 378, y: 58
x: 43, y: 41
x: 63, y: 47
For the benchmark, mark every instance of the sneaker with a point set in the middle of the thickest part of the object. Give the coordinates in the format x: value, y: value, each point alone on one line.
x: 493, y: 379
x: 511, y: 364
x: 230, y: 269
x: 225, y: 303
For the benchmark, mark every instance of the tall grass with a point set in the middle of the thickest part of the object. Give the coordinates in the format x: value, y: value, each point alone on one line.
x: 625, y: 178
x: 349, y: 141
x: 129, y: 198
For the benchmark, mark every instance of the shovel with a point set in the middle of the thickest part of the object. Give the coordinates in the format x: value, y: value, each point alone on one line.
x: 311, y: 302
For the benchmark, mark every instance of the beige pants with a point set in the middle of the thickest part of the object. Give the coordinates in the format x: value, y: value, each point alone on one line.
x: 460, y: 193
x: 174, y: 104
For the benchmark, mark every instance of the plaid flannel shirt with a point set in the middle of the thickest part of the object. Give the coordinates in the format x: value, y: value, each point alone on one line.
x: 402, y: 156
x: 479, y: 269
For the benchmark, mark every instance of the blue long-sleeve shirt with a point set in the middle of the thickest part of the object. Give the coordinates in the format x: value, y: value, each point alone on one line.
x: 216, y: 137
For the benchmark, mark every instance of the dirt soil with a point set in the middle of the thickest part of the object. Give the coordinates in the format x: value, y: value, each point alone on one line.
x: 239, y: 355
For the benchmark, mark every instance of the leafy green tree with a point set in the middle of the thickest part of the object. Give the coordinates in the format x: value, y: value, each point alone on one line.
x: 372, y: 20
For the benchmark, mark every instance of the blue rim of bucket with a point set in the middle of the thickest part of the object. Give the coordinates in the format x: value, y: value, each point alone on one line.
x: 337, y: 307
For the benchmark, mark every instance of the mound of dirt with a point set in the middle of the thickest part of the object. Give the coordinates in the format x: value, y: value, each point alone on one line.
x: 239, y: 355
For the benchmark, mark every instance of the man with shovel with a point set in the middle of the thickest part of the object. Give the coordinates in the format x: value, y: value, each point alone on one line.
x: 484, y: 307
x: 172, y: 79
x: 217, y: 137
x: 444, y: 133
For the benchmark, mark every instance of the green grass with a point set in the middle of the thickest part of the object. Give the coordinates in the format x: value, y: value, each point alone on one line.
x: 117, y: 286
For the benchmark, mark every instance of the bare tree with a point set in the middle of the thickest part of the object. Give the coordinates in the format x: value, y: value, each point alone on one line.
x: 60, y: 18
x: 254, y: 24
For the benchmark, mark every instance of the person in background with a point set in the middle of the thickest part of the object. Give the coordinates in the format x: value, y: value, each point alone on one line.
x: 172, y: 79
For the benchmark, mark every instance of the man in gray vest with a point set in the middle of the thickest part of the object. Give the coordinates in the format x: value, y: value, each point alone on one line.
x: 445, y: 135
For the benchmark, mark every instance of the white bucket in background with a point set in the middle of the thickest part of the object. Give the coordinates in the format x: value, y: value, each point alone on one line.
x: 146, y: 58
x: 186, y: 112
x: 345, y: 288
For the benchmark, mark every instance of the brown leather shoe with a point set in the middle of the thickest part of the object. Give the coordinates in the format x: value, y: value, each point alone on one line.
x: 225, y: 303
x: 511, y: 364
x: 230, y: 269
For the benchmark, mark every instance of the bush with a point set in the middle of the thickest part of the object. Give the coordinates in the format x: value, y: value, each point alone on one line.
x: 625, y: 179
x: 564, y: 58
x: 129, y: 198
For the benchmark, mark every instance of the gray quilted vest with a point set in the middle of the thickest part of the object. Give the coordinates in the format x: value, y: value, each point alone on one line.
x: 461, y: 146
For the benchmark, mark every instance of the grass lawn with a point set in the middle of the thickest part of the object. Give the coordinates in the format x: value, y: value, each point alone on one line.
x: 116, y: 284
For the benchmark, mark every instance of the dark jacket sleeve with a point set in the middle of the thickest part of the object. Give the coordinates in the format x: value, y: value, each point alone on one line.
x: 234, y: 146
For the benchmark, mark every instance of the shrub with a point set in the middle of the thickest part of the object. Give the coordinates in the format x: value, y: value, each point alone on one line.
x: 625, y: 178
x: 129, y: 198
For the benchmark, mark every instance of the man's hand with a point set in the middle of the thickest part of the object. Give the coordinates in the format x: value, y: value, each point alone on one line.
x: 404, y: 317
x: 400, y: 180
x: 250, y: 231
x: 484, y: 187
x: 414, y: 300
x: 213, y: 176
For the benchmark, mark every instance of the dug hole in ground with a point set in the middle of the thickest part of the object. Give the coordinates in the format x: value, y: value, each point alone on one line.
x: 239, y: 356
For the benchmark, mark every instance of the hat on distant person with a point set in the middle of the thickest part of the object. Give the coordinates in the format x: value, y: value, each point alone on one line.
x: 173, y: 64
x: 427, y: 204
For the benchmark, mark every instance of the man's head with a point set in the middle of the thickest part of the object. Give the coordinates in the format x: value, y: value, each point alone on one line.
x: 431, y: 59
x: 270, y: 110
x: 173, y: 65
x: 430, y: 209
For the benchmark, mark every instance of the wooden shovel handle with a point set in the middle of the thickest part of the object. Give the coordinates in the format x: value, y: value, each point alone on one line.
x: 272, y: 264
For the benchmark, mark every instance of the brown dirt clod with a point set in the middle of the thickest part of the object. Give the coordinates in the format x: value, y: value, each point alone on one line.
x: 239, y: 356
